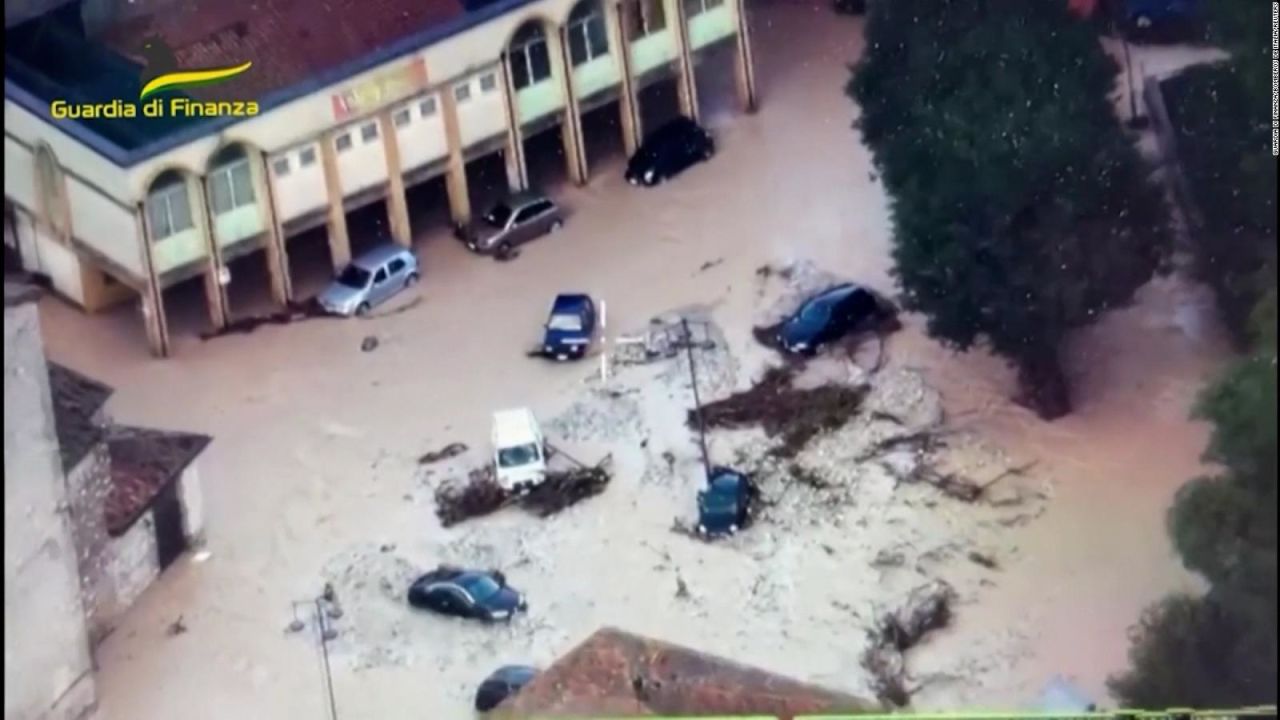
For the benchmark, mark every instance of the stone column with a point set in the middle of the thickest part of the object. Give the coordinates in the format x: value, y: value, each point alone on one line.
x: 152, y: 293
x: 339, y: 240
x: 397, y: 204
x: 687, y: 83
x: 513, y: 153
x: 215, y: 290
x: 273, y: 242
x: 617, y: 14
x: 575, y: 152
x: 456, y: 174
x: 744, y: 60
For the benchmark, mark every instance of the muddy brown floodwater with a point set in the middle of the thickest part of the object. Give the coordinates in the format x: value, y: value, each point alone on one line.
x: 313, y: 474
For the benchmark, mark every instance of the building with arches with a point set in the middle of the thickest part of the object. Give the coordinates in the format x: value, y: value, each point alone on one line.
x: 356, y: 103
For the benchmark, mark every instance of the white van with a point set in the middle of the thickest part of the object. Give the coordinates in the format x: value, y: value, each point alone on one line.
x: 519, y: 451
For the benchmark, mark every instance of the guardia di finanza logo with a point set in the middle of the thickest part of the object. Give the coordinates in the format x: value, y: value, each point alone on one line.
x: 162, y: 80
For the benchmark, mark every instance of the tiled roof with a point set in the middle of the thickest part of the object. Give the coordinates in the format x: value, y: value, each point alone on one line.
x: 614, y: 673
x: 144, y: 463
x: 76, y: 401
x: 287, y: 40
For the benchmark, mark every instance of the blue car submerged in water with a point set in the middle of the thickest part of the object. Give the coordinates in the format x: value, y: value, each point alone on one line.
x: 570, y: 326
x: 724, y: 507
x: 478, y: 594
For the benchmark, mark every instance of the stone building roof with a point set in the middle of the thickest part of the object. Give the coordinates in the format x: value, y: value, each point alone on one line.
x: 76, y: 402
x: 144, y: 463
x: 615, y: 673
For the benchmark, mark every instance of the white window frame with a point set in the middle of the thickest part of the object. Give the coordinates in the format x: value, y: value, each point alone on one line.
x: 520, y: 53
x: 580, y: 25
x: 234, y: 197
x: 166, y: 195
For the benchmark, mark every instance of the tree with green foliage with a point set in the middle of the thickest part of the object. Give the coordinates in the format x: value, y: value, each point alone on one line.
x: 1220, y: 650
x: 1020, y: 208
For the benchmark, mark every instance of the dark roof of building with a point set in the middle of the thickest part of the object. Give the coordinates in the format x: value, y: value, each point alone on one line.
x: 288, y: 41
x: 144, y: 463
x: 615, y: 673
x: 76, y: 402
x: 330, y: 53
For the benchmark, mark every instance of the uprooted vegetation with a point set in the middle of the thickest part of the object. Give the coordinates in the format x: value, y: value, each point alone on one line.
x: 792, y: 415
x: 482, y: 495
x: 926, y: 608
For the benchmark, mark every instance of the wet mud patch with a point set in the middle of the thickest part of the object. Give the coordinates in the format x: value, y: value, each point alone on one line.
x: 369, y: 585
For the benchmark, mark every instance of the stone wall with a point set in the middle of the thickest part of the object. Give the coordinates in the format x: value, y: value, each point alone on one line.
x: 131, y: 563
x: 87, y: 486
x: 47, y: 668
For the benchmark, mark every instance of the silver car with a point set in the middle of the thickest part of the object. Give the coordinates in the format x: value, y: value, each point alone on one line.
x: 369, y: 280
x: 515, y: 220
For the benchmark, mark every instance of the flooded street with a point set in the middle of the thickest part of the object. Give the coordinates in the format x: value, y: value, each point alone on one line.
x: 314, y: 470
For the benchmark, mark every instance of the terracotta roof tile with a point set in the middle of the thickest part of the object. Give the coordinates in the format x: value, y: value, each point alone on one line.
x: 288, y: 41
x: 144, y: 463
x: 614, y: 673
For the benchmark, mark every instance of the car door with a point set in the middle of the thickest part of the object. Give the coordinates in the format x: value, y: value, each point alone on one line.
x: 398, y: 271
x: 524, y: 225
x: 380, y: 288
x: 589, y: 318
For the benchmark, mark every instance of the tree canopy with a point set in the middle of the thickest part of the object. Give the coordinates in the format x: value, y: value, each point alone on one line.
x: 1020, y: 208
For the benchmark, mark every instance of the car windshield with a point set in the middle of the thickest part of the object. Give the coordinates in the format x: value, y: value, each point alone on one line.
x: 719, y: 499
x: 479, y: 587
x: 498, y: 215
x: 354, y: 276
x: 517, y: 455
x: 816, y: 311
x: 566, y: 322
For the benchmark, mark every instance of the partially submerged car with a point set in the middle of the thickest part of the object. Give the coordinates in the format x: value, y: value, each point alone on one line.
x: 830, y: 315
x: 725, y: 506
x: 571, y: 324
x: 669, y: 151
x: 512, y: 221
x: 502, y: 684
x: 478, y: 594
x: 369, y: 280
x: 519, y: 450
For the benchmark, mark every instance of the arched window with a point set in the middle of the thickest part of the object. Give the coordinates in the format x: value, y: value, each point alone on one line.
x: 530, y: 60
x: 644, y: 17
x: 588, y: 38
x: 169, y: 206
x: 230, y: 180
x: 51, y: 193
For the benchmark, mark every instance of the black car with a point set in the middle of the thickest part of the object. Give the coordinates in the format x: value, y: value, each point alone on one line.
x: 724, y: 507
x: 668, y: 151
x: 830, y: 315
x: 502, y: 684
x: 479, y: 594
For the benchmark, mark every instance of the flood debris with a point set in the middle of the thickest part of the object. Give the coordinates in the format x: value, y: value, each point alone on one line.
x: 293, y: 312
x: 369, y: 343
x: 177, y: 627
x: 925, y: 609
x: 709, y: 264
x: 451, y: 450
x: 794, y: 416
x: 482, y: 495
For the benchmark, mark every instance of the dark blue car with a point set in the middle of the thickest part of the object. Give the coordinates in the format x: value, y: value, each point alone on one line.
x: 570, y: 327
x: 724, y: 507
x: 829, y: 316
x: 478, y: 594
x: 502, y: 684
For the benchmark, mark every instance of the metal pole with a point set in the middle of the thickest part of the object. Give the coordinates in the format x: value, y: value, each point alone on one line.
x: 697, y: 402
x: 322, y: 625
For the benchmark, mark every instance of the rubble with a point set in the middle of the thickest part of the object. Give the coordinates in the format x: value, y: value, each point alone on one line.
x: 793, y: 415
x: 482, y: 495
x: 448, y: 451
x: 926, y: 608
x: 294, y: 312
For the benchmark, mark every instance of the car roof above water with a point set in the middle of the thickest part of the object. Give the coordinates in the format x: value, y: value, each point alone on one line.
x: 569, y: 302
x: 376, y: 257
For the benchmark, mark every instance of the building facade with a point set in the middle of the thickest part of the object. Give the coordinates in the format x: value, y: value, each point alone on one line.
x: 94, y: 512
x: 401, y: 93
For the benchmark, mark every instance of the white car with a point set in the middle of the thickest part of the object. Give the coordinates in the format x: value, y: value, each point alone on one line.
x: 519, y: 450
